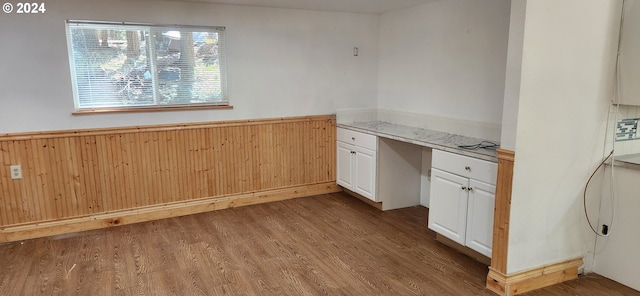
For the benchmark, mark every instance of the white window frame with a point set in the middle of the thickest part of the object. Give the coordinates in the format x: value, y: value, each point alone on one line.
x: 155, y: 105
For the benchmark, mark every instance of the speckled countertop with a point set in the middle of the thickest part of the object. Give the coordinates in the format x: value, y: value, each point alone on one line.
x: 423, y: 137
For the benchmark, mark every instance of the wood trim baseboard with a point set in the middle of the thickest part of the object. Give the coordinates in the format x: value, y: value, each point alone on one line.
x: 130, y: 216
x: 528, y: 280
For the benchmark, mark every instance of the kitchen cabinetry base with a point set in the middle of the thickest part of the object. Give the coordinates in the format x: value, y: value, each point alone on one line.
x: 386, y: 172
x: 377, y: 205
x: 464, y: 250
x: 462, y: 199
x: 528, y: 280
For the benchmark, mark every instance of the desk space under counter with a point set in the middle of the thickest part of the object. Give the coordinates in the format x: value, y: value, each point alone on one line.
x: 390, y: 164
x: 393, y: 166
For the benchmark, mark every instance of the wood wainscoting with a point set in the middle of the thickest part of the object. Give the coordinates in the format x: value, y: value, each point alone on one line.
x: 87, y: 179
x: 502, y: 211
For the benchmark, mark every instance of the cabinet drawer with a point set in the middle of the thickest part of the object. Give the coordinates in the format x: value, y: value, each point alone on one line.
x: 465, y: 166
x: 357, y: 138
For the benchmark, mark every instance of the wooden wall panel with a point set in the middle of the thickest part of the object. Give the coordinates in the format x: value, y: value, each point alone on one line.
x: 72, y: 174
x: 502, y: 211
x: 496, y: 278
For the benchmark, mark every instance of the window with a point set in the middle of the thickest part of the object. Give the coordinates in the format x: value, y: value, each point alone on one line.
x: 121, y: 66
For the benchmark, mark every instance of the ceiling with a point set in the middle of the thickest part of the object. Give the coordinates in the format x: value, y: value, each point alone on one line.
x: 363, y: 6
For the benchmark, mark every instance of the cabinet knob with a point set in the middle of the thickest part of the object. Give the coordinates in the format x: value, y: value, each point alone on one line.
x: 469, y: 189
x: 468, y: 168
x: 464, y: 188
x: 353, y: 152
x: 353, y: 138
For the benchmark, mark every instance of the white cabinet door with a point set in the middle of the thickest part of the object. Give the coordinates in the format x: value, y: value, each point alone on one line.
x: 482, y: 197
x: 365, y: 173
x: 448, y: 205
x: 345, y: 164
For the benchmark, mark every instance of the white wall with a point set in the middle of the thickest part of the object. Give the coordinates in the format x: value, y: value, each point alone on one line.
x: 281, y: 62
x: 568, y: 63
x: 629, y: 66
x: 445, y: 58
x: 513, y: 71
x: 616, y: 256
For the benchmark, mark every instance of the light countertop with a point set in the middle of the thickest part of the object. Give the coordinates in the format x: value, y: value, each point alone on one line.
x: 424, y: 137
x: 630, y: 161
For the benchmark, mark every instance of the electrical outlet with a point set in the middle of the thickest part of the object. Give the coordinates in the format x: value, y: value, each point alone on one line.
x: 16, y: 172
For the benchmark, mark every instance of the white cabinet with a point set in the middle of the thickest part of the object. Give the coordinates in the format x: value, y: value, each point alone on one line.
x: 365, y: 172
x: 345, y: 167
x: 480, y: 208
x: 462, y: 199
x: 448, y: 207
x: 356, y: 162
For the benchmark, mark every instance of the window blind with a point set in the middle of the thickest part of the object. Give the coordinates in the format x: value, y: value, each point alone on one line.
x: 126, y: 65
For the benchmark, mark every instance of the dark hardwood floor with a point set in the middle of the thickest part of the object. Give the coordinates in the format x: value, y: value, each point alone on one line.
x: 322, y: 245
